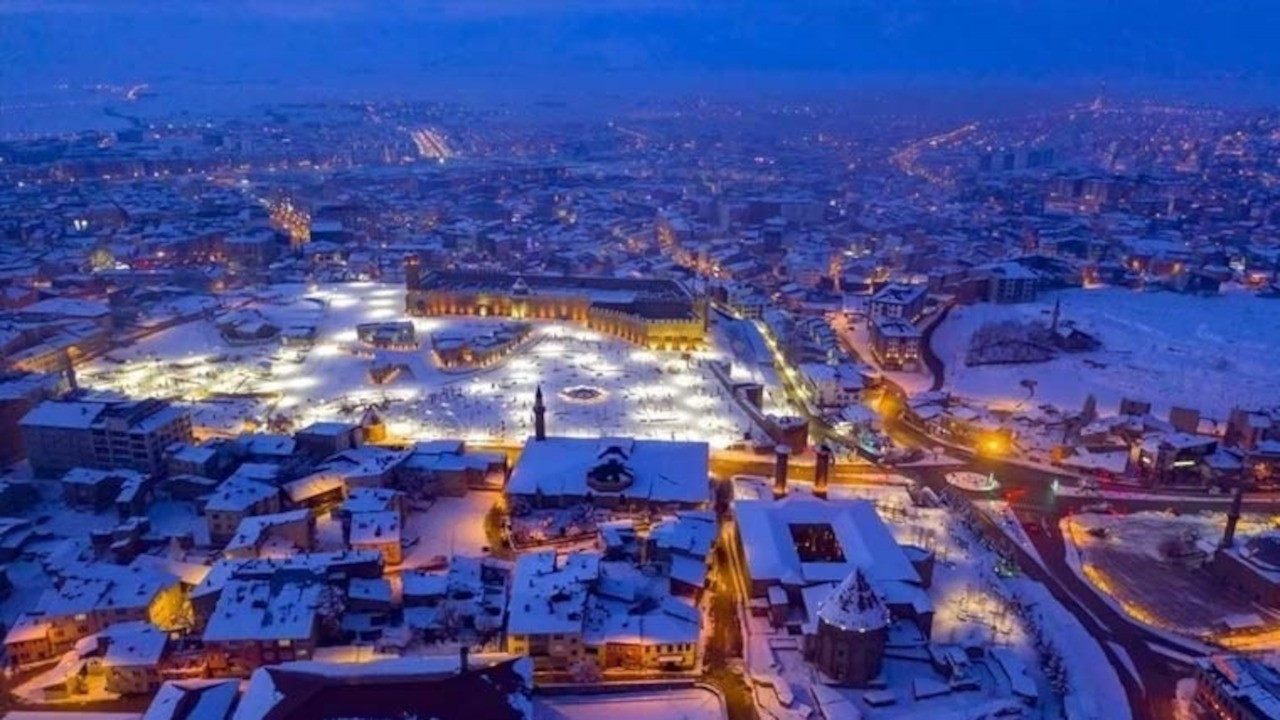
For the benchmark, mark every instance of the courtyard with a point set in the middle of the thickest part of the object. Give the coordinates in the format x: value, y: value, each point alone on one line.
x: 593, y: 384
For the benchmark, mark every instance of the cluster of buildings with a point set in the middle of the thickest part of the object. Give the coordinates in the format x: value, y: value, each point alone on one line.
x: 840, y: 248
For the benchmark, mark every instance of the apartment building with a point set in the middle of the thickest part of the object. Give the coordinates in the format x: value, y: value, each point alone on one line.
x: 61, y: 435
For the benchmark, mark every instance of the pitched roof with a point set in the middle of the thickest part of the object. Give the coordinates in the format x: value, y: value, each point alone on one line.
x: 398, y: 688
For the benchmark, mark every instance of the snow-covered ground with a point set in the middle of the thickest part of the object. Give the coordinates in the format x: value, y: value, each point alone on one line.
x: 972, y: 481
x: 645, y: 394
x: 974, y: 606
x: 685, y: 704
x: 452, y: 526
x: 1211, y: 353
x: 1150, y: 565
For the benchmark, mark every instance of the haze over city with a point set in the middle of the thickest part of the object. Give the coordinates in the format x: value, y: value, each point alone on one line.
x: 570, y: 360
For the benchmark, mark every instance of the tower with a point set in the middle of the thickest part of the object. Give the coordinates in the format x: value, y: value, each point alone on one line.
x: 822, y: 471
x: 539, y: 416
x: 781, y: 455
x: 1057, y: 311
x: 69, y: 370
x: 1233, y: 518
x: 412, y: 272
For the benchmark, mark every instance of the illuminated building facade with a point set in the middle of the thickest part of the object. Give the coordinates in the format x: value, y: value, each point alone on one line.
x: 657, y: 314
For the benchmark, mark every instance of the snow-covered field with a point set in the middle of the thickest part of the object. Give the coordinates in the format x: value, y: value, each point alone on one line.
x: 687, y: 704
x: 645, y: 394
x: 1211, y: 353
x: 1149, y: 564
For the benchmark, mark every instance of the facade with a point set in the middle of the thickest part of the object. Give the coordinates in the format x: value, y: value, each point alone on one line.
x: 1251, y: 568
x: 89, y: 599
x: 61, y: 435
x: 1172, y: 458
x: 237, y: 498
x: 449, y: 467
x: 388, y: 335
x: 97, y: 489
x: 453, y: 351
x: 548, y: 606
x: 132, y: 658
x: 896, y: 343
x: 323, y: 439
x: 1232, y: 687
x: 1011, y: 283
x: 18, y: 395
x: 832, y: 385
x: 658, y: 314
x: 262, y: 622
x: 852, y: 632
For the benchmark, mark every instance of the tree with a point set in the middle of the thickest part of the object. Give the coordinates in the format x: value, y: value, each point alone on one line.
x: 333, y: 605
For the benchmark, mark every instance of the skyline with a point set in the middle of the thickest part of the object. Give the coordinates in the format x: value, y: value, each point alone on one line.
x: 346, y: 45
x: 804, y: 360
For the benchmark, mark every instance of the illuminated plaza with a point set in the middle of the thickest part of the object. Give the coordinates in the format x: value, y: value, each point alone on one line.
x: 594, y: 384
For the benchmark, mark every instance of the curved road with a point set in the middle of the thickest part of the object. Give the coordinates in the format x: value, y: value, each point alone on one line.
x: 1149, y: 677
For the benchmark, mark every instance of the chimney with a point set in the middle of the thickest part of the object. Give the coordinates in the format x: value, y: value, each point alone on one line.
x: 781, y: 454
x: 822, y: 471
x: 539, y: 416
x: 1233, y: 518
x: 462, y: 659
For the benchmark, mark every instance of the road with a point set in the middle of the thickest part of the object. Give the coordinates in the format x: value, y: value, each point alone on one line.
x: 1149, y: 677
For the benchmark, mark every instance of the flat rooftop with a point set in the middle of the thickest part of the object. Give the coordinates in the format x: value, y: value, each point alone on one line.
x: 647, y: 297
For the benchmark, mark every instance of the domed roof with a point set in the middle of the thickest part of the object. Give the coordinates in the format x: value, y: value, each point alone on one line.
x: 854, y: 605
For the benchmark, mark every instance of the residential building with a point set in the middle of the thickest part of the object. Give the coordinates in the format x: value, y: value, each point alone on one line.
x: 62, y: 435
x: 895, y: 343
x: 898, y: 302
x: 263, y: 622
x: 237, y: 498
x: 1234, y: 687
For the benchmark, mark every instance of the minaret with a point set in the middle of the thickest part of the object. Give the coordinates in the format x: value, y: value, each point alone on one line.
x: 69, y: 369
x: 539, y: 416
x: 1233, y: 518
x: 1057, y: 310
x: 822, y: 471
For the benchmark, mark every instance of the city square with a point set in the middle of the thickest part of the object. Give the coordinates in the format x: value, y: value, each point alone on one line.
x: 593, y: 383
